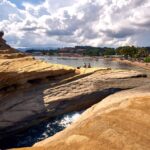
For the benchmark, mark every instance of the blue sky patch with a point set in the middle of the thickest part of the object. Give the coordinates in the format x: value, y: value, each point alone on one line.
x: 18, y: 3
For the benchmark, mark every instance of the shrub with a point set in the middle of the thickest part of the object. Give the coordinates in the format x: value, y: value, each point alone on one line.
x: 147, y: 59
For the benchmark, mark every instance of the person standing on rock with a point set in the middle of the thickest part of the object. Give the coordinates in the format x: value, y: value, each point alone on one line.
x: 89, y: 66
x: 84, y: 65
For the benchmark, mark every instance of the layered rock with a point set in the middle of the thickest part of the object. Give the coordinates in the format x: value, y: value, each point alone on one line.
x: 32, y: 91
x: 25, y: 107
x: 121, y: 121
x: 18, y: 74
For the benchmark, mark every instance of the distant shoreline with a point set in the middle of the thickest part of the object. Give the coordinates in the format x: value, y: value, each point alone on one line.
x: 133, y: 63
x: 123, y: 61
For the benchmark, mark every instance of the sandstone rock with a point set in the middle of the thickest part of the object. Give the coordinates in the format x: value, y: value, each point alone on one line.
x: 121, y: 121
x: 28, y: 106
x: 25, y: 70
x: 18, y: 73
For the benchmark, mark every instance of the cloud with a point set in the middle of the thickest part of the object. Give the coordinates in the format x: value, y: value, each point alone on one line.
x: 86, y: 22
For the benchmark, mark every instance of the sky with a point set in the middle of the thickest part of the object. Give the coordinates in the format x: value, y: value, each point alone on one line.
x: 59, y: 23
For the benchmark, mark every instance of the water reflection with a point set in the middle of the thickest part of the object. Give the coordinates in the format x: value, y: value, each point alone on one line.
x: 79, y: 61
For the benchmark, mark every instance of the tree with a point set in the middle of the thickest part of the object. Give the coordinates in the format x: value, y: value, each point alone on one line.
x: 109, y: 51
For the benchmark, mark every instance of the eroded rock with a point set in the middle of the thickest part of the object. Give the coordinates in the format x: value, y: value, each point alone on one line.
x: 121, y: 121
x: 38, y: 102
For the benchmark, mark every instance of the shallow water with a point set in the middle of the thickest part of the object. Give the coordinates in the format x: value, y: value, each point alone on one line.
x: 40, y: 131
x: 79, y: 61
x: 102, y: 63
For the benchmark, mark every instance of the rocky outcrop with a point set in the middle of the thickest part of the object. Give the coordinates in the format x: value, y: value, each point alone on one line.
x: 120, y: 121
x: 32, y: 91
x: 22, y: 71
x: 7, y: 52
x: 18, y: 69
x: 18, y: 74
x: 25, y: 107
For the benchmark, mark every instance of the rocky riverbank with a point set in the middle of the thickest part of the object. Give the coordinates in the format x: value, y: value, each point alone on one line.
x: 32, y: 91
x: 133, y: 63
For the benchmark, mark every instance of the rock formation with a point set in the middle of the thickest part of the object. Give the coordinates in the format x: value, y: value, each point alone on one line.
x: 18, y: 72
x: 32, y: 91
x: 27, y: 106
x: 6, y: 51
x: 120, y: 121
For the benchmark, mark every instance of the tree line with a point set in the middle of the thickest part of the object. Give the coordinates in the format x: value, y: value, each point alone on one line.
x: 127, y: 52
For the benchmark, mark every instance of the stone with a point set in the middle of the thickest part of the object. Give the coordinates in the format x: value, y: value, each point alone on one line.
x: 120, y: 121
x: 41, y: 101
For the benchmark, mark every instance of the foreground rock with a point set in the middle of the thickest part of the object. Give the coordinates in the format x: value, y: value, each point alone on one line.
x: 32, y: 91
x: 121, y: 121
x: 18, y: 72
x: 27, y: 106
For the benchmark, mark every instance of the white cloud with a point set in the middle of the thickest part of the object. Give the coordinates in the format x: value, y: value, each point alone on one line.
x: 86, y: 22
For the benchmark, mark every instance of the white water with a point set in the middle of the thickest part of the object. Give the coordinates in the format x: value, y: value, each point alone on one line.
x: 41, y: 131
x: 68, y: 119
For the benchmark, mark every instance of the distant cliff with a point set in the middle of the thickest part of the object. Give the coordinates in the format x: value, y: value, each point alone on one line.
x: 6, y: 51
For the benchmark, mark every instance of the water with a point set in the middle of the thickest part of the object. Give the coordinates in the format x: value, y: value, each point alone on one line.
x: 102, y: 63
x: 40, y: 131
x: 79, y: 61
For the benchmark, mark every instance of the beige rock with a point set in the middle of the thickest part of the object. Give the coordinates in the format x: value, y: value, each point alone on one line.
x: 18, y: 74
x: 38, y: 102
x: 21, y: 70
x: 121, y: 121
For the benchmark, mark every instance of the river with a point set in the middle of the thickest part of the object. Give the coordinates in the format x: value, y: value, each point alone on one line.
x: 80, y: 61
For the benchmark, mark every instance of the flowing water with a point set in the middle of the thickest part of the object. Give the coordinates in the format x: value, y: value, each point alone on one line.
x: 40, y: 131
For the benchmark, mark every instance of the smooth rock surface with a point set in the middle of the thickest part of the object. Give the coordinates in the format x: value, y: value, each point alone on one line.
x: 27, y: 106
x: 120, y: 121
x: 18, y: 74
x: 32, y: 91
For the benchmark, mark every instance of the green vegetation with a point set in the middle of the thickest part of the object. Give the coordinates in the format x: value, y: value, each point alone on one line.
x: 109, y: 51
x: 147, y: 59
x: 91, y: 51
x: 127, y: 52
